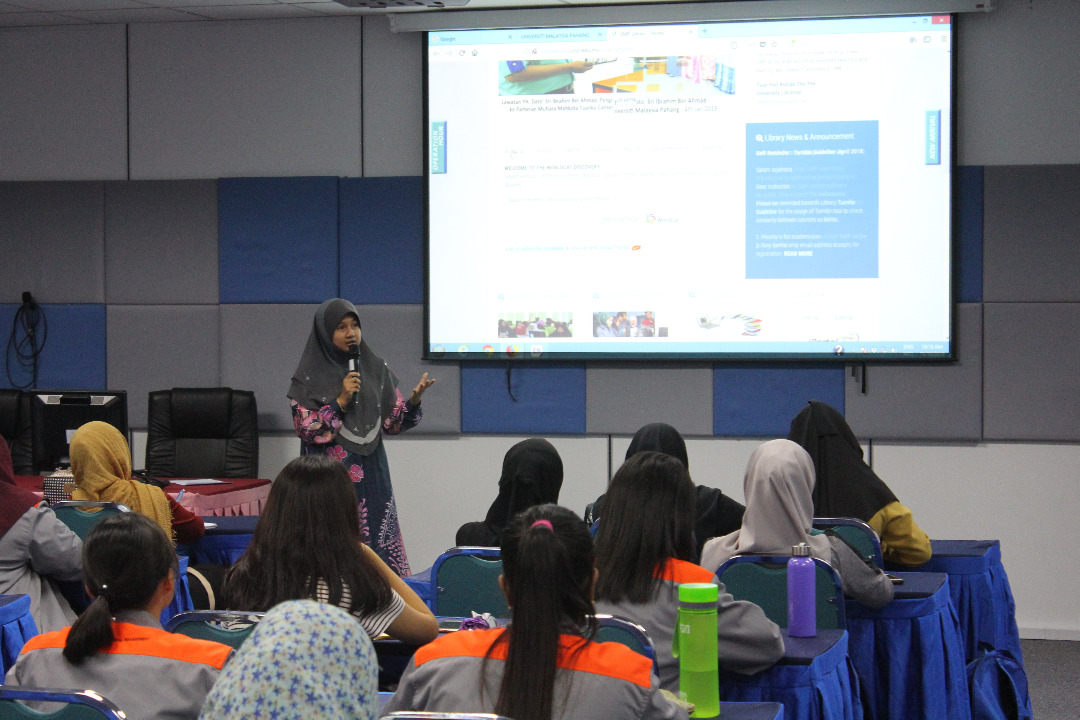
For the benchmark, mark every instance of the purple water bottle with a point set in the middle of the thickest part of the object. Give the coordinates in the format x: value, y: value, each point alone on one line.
x: 801, y: 593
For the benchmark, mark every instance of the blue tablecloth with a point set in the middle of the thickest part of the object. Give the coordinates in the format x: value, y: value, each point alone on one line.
x: 980, y: 593
x: 16, y: 627
x: 421, y: 584
x: 181, y: 601
x: 910, y: 654
x: 224, y: 543
x: 815, y: 680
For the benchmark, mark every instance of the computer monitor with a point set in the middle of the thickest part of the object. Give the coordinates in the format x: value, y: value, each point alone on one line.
x: 57, y: 414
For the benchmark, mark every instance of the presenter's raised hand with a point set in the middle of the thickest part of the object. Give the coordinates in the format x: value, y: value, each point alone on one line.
x: 424, y: 384
x: 349, y: 387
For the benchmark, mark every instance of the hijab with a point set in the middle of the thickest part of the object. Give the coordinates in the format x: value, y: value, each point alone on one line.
x: 779, y: 483
x: 846, y: 486
x: 14, y: 500
x: 322, y: 367
x: 101, y: 468
x: 303, y: 660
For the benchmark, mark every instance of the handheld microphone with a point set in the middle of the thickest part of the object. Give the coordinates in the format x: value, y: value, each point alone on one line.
x: 354, y: 358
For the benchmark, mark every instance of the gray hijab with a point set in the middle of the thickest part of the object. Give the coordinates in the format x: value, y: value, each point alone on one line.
x: 779, y: 486
x: 317, y: 380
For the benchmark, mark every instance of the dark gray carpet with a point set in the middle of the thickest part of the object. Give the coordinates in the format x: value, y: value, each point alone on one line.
x: 1053, y: 670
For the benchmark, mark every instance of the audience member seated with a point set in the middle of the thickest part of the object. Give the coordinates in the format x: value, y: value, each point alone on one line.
x: 544, y: 665
x: 847, y: 487
x: 117, y: 646
x: 101, y: 470
x: 644, y: 551
x: 36, y: 551
x: 307, y: 546
x: 305, y: 660
x: 532, y: 474
x: 716, y: 513
x: 778, y: 486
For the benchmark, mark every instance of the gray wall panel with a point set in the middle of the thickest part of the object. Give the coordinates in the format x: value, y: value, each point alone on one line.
x: 923, y: 402
x: 1031, y: 389
x: 63, y: 103
x: 1030, y: 232
x: 393, y: 107
x: 397, y: 333
x: 161, y: 242
x: 620, y: 399
x: 157, y: 347
x: 53, y: 241
x: 260, y: 347
x: 255, y: 99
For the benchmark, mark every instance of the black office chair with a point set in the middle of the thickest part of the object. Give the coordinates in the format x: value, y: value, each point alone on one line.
x: 203, y: 433
x: 15, y: 426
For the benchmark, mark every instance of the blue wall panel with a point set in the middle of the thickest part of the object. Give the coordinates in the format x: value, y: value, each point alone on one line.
x: 550, y: 399
x: 277, y: 239
x: 73, y: 357
x: 969, y: 216
x: 382, y: 240
x: 760, y: 400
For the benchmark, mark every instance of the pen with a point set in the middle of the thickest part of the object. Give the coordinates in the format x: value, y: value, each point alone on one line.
x: 180, y: 494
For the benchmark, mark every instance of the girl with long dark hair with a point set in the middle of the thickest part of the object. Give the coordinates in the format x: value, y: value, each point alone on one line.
x: 307, y: 545
x: 117, y: 646
x: 645, y: 550
x: 544, y: 666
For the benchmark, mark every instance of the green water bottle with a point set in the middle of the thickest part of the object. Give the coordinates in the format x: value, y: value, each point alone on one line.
x: 695, y: 645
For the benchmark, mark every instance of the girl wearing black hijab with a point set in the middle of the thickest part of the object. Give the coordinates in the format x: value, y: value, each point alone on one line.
x: 344, y: 413
x: 847, y: 487
x: 716, y: 513
x: 532, y: 474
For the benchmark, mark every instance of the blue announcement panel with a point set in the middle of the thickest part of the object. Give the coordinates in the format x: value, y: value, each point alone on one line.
x: 812, y: 200
x: 73, y: 356
x: 278, y: 239
x: 546, y: 399
x: 761, y: 400
x: 382, y: 240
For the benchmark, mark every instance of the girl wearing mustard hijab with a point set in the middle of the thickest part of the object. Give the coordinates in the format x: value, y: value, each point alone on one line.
x: 101, y: 468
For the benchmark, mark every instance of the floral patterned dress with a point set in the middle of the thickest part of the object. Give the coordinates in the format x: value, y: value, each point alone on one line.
x: 370, y: 474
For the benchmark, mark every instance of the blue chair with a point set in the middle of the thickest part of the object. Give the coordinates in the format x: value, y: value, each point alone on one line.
x: 856, y: 533
x: 213, y: 625
x: 16, y: 627
x: 465, y: 580
x: 75, y: 704
x: 616, y: 629
x: 762, y: 579
x: 77, y: 515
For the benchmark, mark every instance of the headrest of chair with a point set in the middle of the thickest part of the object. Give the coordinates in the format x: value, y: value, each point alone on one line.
x: 201, y: 412
x: 10, y: 405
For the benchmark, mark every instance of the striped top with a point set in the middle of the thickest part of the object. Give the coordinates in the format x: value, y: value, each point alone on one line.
x: 374, y: 624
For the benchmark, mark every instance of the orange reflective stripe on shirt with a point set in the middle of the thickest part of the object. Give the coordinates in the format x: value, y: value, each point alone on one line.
x: 681, y: 571
x: 146, y: 641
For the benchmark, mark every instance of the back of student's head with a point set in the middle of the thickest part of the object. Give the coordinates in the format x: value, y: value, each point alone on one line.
x: 547, y: 558
x: 648, y: 518
x: 125, y: 559
x: 308, y: 531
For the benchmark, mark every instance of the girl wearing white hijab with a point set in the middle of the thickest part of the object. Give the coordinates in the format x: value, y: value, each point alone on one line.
x: 778, y: 486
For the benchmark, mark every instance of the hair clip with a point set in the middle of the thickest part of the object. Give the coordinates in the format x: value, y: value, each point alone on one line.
x: 543, y: 523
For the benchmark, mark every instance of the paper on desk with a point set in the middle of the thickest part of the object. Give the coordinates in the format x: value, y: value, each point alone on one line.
x: 199, y: 481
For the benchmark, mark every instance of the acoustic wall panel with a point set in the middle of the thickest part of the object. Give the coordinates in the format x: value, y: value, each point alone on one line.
x: 382, y: 240
x: 393, y: 109
x: 157, y: 347
x: 161, y: 242
x: 63, y: 103
x: 969, y: 234
x: 53, y: 241
x: 520, y: 398
x: 1030, y: 386
x: 229, y: 99
x: 277, y: 240
x: 73, y: 352
x: 397, y: 333
x: 760, y: 400
x: 1031, y: 229
x: 260, y: 348
x: 939, y: 401
x: 620, y: 399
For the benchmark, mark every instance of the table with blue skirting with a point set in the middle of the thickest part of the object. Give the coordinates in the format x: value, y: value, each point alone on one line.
x: 909, y: 653
x: 225, y: 540
x: 814, y: 680
x: 16, y: 627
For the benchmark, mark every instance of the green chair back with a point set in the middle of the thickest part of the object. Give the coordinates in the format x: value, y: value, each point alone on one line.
x: 83, y: 515
x: 207, y: 625
x: 856, y: 533
x: 466, y: 580
x: 762, y: 580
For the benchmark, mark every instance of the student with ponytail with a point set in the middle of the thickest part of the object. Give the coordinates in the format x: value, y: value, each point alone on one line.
x: 544, y: 666
x: 117, y: 647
